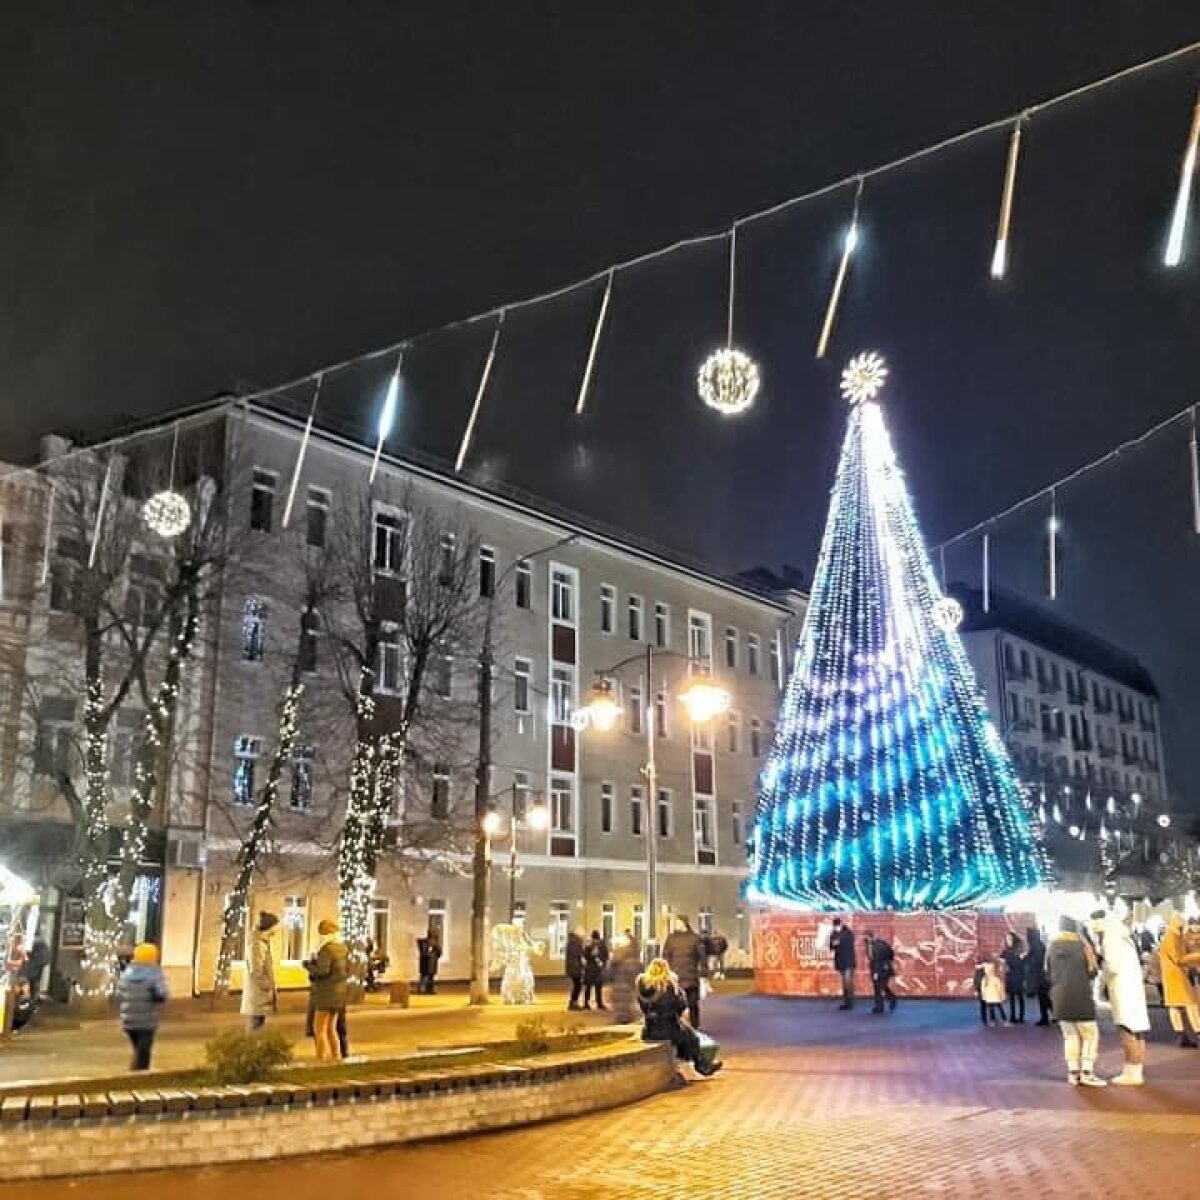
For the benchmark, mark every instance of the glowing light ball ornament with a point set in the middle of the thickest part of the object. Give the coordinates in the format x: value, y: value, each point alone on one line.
x: 728, y: 381
x: 167, y: 513
x: 947, y: 614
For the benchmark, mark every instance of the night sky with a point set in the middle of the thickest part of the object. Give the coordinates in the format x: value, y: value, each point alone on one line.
x: 197, y: 198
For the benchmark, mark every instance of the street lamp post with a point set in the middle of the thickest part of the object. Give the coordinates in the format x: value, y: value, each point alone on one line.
x: 536, y: 818
x: 480, y: 872
x: 703, y: 699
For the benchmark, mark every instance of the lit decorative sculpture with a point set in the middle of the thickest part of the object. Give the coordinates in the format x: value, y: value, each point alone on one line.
x: 947, y: 613
x: 728, y: 381
x: 511, y: 950
x: 167, y: 513
x: 864, y: 377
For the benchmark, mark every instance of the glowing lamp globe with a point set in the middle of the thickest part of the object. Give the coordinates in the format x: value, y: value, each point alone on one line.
x: 705, y: 698
x: 728, y: 381
x: 491, y: 823
x: 603, y: 711
x: 947, y: 614
x: 537, y: 817
x: 167, y: 513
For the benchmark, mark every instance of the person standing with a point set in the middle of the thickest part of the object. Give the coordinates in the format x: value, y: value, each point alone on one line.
x: 1035, y: 974
x: 991, y: 993
x: 1179, y: 993
x: 573, y: 967
x: 626, y: 963
x: 845, y: 959
x: 595, y: 959
x: 259, y: 995
x: 1126, y: 990
x: 142, y: 991
x: 881, y: 959
x: 1013, y: 955
x: 1070, y: 967
x: 429, y: 950
x: 684, y: 953
x: 329, y: 972
x: 719, y: 945
x: 35, y: 968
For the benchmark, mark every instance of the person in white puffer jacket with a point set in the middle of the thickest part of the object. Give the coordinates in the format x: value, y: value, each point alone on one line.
x: 1126, y: 990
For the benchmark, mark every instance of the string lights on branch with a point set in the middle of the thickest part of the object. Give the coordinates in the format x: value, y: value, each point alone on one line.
x: 849, y: 243
x: 469, y: 431
x: 1173, y: 254
x: 728, y: 380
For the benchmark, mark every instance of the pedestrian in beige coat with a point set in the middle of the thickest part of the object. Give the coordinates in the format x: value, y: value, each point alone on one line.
x: 1179, y: 992
x: 259, y: 997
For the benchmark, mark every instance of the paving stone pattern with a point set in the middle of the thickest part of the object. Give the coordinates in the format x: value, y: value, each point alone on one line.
x: 813, y: 1103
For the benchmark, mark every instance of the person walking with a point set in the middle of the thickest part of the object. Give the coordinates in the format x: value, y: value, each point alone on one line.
x: 35, y: 968
x: 1179, y: 992
x: 718, y: 947
x: 1035, y: 974
x: 664, y: 1008
x: 882, y: 961
x: 573, y: 954
x: 595, y: 959
x: 1070, y: 967
x: 1013, y: 956
x: 845, y: 960
x: 142, y: 991
x: 626, y: 964
x: 429, y: 950
x: 991, y: 993
x: 1125, y: 987
x: 684, y: 953
x: 259, y: 995
x: 329, y: 973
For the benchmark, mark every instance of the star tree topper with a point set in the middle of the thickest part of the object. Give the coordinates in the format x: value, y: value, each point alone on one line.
x: 864, y: 377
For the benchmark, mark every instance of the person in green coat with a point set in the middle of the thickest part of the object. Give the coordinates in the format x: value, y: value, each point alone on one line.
x: 329, y: 972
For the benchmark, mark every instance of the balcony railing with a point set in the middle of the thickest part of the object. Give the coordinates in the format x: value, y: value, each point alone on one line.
x: 1107, y: 751
x: 1048, y: 687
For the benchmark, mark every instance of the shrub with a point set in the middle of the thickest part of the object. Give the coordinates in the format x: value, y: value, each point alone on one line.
x: 237, y: 1057
x: 570, y: 1035
x: 531, y: 1036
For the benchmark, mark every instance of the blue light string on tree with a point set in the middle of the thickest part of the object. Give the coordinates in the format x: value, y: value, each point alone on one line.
x: 887, y: 786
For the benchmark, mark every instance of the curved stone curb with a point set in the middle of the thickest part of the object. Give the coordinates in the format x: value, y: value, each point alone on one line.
x: 100, y: 1133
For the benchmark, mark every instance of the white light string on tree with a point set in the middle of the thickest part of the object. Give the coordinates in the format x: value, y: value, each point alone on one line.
x: 469, y: 431
x: 1173, y: 255
x: 849, y: 242
x: 585, y: 382
x: 303, y: 451
x: 728, y: 379
x: 1000, y: 252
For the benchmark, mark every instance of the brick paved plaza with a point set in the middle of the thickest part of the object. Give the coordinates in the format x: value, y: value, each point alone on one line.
x: 812, y: 1103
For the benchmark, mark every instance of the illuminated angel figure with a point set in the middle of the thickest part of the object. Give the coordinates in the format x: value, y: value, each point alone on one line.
x: 511, y: 951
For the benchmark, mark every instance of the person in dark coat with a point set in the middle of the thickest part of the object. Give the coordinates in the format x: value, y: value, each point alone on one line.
x: 1013, y: 955
x: 1071, y: 966
x: 595, y: 959
x: 142, y: 991
x: 429, y: 950
x: 573, y: 966
x: 882, y: 960
x: 684, y: 953
x: 1036, y: 983
x: 35, y: 967
x: 845, y: 959
x: 664, y: 1007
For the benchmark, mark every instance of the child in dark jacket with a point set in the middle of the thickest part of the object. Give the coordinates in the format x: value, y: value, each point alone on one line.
x: 142, y: 990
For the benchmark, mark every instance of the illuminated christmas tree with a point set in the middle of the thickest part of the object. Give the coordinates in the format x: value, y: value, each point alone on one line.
x: 887, y: 786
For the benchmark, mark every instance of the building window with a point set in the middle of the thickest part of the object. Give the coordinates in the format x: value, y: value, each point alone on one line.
x: 302, y: 777
x: 518, y: 913
x: 700, y: 638
x: 752, y: 653
x: 54, y: 738
x: 523, y: 591
x: 735, y: 813
x: 439, y: 804
x: 381, y: 924
x: 776, y: 664
x: 662, y: 625
x: 704, y: 922
x: 390, y: 667
x: 660, y: 713
x: 1010, y: 660
x: 608, y: 922
x: 755, y: 737
x: 702, y: 736
x: 295, y: 928
x: 448, y: 559
x: 138, y: 604
x: 310, y: 625
x: 733, y: 728
x: 562, y: 595
x: 262, y: 499
x: 562, y: 695
x: 254, y: 629
x: 122, y: 747
x: 443, y: 675
x: 487, y: 572
x: 637, y: 807
x: 665, y: 808
x: 607, y: 804
x: 702, y: 817
x: 389, y: 542
x: 522, y: 676
x: 639, y: 924
x: 316, y: 526
x: 562, y: 805
x: 439, y: 925
x: 731, y: 648
x: 520, y: 796
x: 245, y: 754
x: 559, y: 928
x: 608, y: 608
x: 635, y: 618
x: 635, y: 710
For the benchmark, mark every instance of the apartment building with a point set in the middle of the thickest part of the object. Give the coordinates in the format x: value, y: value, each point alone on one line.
x: 568, y: 601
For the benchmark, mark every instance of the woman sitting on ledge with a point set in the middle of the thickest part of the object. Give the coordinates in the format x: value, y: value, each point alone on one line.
x: 663, y: 1005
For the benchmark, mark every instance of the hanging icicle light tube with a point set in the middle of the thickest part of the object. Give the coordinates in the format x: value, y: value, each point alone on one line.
x: 728, y: 379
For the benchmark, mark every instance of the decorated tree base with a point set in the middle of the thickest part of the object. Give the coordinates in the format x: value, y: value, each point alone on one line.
x: 936, y: 952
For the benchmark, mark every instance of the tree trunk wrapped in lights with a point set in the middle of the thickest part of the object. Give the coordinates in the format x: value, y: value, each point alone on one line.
x: 887, y: 786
